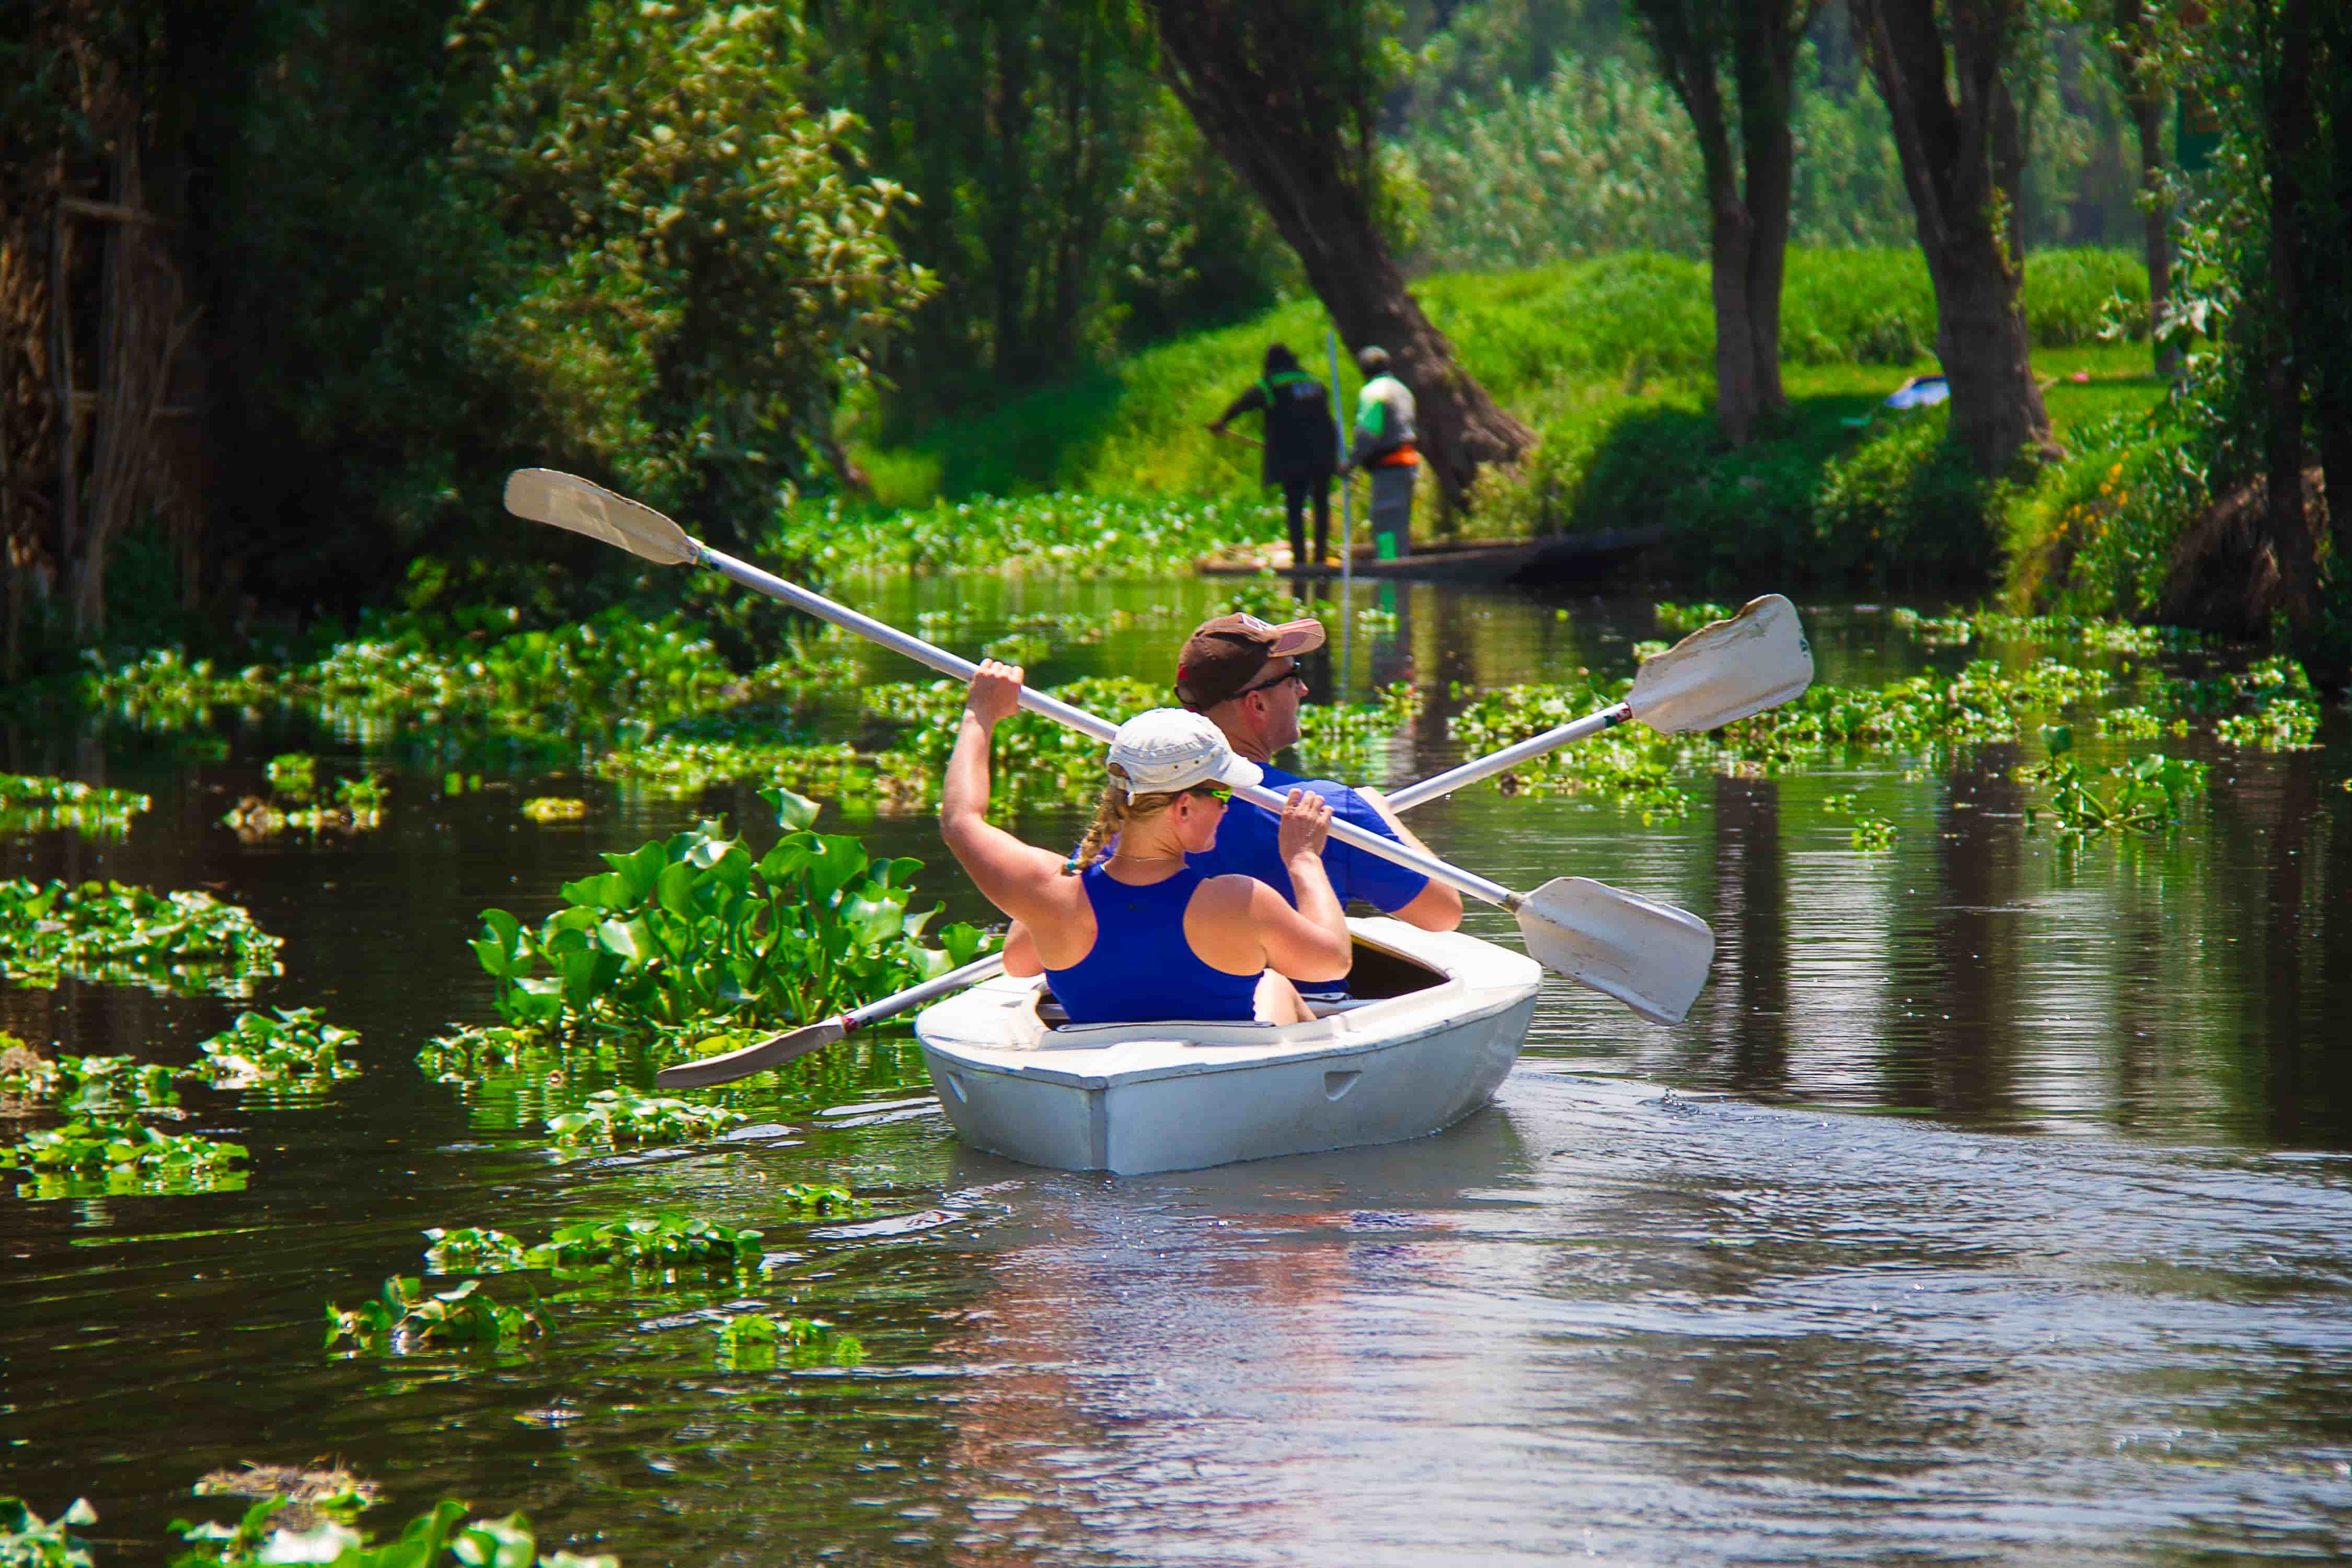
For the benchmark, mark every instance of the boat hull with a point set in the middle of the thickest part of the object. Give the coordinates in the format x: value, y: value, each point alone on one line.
x: 1138, y: 1097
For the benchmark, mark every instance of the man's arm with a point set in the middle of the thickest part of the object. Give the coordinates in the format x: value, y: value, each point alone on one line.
x: 1436, y: 906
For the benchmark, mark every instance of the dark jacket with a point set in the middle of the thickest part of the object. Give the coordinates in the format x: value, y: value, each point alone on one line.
x: 1301, y: 442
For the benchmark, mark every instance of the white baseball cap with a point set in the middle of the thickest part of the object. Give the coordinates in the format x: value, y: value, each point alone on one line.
x: 1169, y: 749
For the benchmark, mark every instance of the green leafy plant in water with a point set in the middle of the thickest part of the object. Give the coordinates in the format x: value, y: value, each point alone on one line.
x: 30, y: 804
x: 811, y: 1197
x: 1074, y: 534
x: 89, y: 1156
x: 403, y: 1317
x: 679, y: 766
x: 616, y: 1116
x: 113, y: 934
x: 28, y: 1541
x: 753, y: 1341
x: 2141, y: 795
x: 98, y: 1087
x: 294, y: 774
x: 1874, y: 833
x: 683, y: 929
x: 295, y: 1047
x: 2280, y: 724
x: 650, y: 1241
x: 1685, y: 618
x: 434, y: 1540
x: 357, y: 805
x: 554, y: 808
x: 475, y: 1251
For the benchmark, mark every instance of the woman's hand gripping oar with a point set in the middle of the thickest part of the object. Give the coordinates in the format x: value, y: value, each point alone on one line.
x: 1650, y: 955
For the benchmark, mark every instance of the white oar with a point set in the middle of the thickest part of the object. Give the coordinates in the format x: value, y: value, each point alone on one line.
x: 1723, y: 671
x: 1651, y: 956
x: 777, y: 1049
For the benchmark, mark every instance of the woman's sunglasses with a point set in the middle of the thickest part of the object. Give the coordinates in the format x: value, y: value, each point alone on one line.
x: 1217, y: 793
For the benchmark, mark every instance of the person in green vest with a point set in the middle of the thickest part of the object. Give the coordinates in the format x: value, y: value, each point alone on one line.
x: 1384, y: 447
x: 1301, y: 447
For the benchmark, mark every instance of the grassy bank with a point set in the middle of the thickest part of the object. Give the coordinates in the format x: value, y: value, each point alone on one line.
x: 1611, y: 361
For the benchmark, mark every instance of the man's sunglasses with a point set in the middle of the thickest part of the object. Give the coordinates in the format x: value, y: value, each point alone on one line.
x: 1293, y: 673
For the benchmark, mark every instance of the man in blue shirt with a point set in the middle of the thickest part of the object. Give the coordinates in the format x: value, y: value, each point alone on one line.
x: 1242, y: 674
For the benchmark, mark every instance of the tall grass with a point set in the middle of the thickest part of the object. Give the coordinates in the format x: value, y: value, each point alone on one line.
x: 1535, y: 338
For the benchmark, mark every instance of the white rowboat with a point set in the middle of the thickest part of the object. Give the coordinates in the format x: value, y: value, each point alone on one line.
x: 1439, y: 1020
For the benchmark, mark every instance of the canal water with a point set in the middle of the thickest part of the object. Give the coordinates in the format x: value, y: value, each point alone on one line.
x: 1992, y: 1205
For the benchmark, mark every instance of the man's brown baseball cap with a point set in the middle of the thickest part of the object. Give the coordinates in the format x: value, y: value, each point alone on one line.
x: 1224, y: 656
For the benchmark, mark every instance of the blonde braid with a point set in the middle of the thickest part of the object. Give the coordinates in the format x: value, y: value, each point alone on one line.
x: 1115, y: 812
x: 1107, y: 817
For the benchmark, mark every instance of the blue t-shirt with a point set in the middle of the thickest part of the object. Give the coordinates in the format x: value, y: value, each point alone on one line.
x: 1246, y: 841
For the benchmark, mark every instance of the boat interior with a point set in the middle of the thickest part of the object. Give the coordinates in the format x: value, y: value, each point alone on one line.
x: 1377, y: 974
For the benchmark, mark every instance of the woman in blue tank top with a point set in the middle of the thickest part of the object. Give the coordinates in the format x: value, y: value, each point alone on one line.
x: 1136, y: 936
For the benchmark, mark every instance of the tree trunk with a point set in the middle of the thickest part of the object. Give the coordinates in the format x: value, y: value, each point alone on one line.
x: 2331, y: 253
x: 1950, y: 155
x: 1287, y: 92
x: 2132, y: 52
x: 2290, y: 139
x: 2155, y: 227
x: 1771, y: 31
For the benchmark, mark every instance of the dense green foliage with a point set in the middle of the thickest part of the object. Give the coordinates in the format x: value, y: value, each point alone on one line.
x: 186, y: 942
x: 679, y: 931
x: 29, y: 804
x: 402, y: 1318
x: 1995, y: 699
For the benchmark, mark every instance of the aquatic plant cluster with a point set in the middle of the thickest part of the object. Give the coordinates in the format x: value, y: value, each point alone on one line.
x: 30, y: 804
x: 1078, y: 535
x: 102, y: 1145
x: 679, y: 768
x: 442, y: 1537
x: 187, y: 943
x: 1987, y: 700
x: 692, y: 928
x: 578, y: 676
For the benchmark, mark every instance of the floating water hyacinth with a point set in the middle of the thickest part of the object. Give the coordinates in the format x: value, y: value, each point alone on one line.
x: 188, y: 942
x: 1080, y: 536
x: 29, y: 804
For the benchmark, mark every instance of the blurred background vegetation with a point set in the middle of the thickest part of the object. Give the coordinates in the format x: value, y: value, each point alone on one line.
x: 730, y: 258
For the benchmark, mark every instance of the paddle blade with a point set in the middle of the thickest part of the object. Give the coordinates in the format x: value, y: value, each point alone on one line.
x: 1651, y: 956
x: 545, y: 496
x: 1726, y: 670
x: 758, y: 1057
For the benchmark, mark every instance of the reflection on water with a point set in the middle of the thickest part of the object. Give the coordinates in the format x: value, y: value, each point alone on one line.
x: 1989, y: 1205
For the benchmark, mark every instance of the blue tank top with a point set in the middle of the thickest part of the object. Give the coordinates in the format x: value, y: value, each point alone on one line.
x: 1141, y: 969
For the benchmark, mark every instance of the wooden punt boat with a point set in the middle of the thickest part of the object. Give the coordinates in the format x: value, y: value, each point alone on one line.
x: 1437, y: 1021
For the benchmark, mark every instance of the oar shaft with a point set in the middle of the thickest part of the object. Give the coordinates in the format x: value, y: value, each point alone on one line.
x: 1471, y: 771
x: 1077, y: 719
x: 971, y: 973
x: 891, y: 638
x: 1429, y: 866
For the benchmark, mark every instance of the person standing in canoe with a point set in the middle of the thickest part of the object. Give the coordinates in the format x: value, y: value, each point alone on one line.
x: 1137, y: 935
x: 1243, y: 675
x: 1385, y: 434
x: 1301, y: 448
